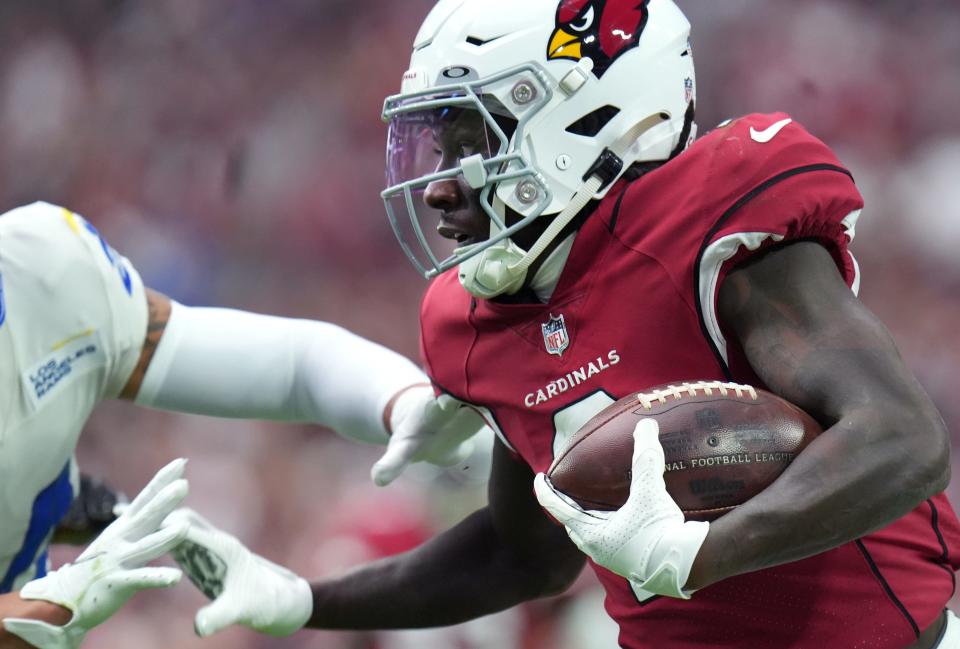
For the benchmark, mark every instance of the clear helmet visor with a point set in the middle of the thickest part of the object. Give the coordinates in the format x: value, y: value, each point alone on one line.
x: 450, y: 147
x: 423, y: 142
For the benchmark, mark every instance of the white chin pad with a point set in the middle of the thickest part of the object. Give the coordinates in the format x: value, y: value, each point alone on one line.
x: 490, y: 273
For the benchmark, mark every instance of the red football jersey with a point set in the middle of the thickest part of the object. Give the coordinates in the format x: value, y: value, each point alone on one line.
x: 635, y: 307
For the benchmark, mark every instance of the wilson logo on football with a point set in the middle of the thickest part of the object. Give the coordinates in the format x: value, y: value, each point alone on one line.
x: 599, y: 29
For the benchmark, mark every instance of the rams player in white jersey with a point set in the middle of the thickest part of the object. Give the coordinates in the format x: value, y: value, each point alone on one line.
x: 77, y: 326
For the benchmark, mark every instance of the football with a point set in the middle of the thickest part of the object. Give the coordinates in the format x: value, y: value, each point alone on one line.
x: 723, y: 444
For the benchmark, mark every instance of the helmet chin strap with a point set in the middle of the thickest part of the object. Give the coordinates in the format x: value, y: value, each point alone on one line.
x: 502, y: 268
x: 543, y: 280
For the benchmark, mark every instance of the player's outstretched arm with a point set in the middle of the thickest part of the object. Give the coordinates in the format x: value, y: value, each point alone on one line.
x: 507, y: 553
x: 56, y: 611
x: 885, y: 448
x: 228, y: 363
x: 500, y: 556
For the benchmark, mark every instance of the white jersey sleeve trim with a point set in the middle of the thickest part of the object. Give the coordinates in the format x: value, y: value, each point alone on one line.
x: 850, y: 225
x: 716, y: 254
x: 722, y: 250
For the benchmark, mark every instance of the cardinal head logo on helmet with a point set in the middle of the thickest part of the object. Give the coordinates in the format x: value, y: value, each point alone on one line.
x: 599, y: 29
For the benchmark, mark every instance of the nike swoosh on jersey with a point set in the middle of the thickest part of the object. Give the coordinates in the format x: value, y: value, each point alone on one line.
x: 768, y: 133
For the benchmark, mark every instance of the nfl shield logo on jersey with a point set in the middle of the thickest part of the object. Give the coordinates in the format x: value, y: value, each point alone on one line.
x: 555, y: 335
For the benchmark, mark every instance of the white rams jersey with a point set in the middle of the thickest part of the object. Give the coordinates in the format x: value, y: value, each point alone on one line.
x: 73, y: 317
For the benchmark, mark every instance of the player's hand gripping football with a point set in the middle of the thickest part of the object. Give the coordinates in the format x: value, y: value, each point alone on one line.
x: 245, y: 588
x: 111, y: 569
x: 426, y: 428
x: 646, y: 540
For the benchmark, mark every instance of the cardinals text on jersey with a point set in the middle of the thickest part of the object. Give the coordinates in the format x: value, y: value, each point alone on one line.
x: 657, y: 249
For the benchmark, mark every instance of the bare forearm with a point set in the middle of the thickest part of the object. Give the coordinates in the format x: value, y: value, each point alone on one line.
x: 11, y: 606
x: 885, y: 449
x: 459, y: 575
x: 833, y: 493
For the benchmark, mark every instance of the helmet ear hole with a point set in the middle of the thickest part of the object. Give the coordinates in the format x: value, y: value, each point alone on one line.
x: 592, y: 123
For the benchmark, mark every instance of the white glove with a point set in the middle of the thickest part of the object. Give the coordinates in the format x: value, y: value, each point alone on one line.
x: 111, y: 569
x: 646, y: 540
x: 426, y: 428
x: 245, y: 588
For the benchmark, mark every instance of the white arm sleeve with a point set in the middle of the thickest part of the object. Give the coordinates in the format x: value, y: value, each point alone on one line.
x: 227, y: 363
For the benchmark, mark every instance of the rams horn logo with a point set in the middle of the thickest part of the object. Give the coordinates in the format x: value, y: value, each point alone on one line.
x: 599, y: 29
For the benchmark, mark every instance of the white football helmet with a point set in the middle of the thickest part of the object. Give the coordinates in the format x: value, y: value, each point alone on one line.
x: 566, y: 94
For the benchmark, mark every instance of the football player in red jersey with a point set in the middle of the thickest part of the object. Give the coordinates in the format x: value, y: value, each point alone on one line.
x: 601, y: 249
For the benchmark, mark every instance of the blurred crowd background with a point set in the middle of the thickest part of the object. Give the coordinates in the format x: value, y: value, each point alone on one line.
x: 233, y: 150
